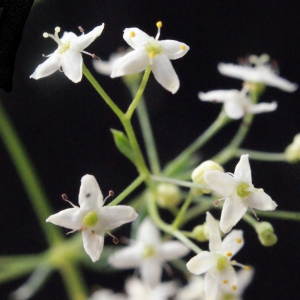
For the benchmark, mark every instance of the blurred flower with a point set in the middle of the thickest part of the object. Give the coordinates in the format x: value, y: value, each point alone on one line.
x: 239, y: 193
x: 237, y: 103
x: 91, y: 217
x: 258, y: 70
x: 217, y: 263
x: 68, y: 54
x: 148, y: 253
x: 106, y: 294
x: 292, y: 151
x: 150, y: 51
x: 168, y: 195
x: 194, y: 290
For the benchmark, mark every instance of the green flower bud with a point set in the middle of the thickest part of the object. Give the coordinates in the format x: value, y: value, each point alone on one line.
x: 200, y: 233
x: 266, y: 234
x: 292, y: 151
x: 168, y: 195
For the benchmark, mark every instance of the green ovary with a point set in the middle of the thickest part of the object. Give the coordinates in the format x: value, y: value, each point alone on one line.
x: 148, y: 252
x: 91, y: 219
x: 243, y: 189
x: 222, y: 263
x: 64, y: 47
x: 153, y: 48
x: 228, y: 297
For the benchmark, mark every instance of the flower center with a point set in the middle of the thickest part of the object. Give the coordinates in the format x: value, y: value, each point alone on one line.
x: 91, y: 219
x: 243, y: 190
x: 148, y: 252
x: 153, y: 48
x: 64, y: 47
x: 222, y: 263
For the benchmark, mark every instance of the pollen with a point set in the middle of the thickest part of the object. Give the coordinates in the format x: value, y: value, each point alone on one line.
x: 152, y: 54
x: 247, y: 268
x: 182, y: 47
x: 234, y: 287
x: 239, y: 240
x: 229, y: 254
x: 159, y: 24
x: 225, y: 281
x: 132, y: 34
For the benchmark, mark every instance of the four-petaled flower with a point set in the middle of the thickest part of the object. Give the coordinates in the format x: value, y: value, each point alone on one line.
x: 239, y: 193
x: 217, y: 263
x: 92, y: 218
x: 148, y: 253
x: 258, y: 70
x: 68, y: 54
x: 237, y: 103
x: 150, y: 51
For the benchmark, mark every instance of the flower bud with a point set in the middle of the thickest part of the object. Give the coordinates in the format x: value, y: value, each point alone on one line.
x: 266, y: 234
x: 292, y: 151
x: 168, y: 195
x: 198, y: 175
x: 200, y: 233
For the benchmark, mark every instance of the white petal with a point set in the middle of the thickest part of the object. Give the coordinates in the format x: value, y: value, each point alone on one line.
x: 211, y: 286
x: 201, y: 263
x: 151, y: 271
x: 139, y: 40
x: 90, y: 196
x: 164, y: 73
x: 272, y: 79
x: 261, y: 201
x: 233, y: 210
x: 218, y: 95
x: 229, y: 274
x: 93, y: 244
x: 222, y: 183
x: 172, y: 250
x: 244, y: 278
x: 47, y: 68
x: 215, y: 242
x: 174, y: 49
x: 148, y: 233
x: 233, y: 242
x: 164, y: 291
x: 135, y: 289
x: 242, y: 170
x: 69, y: 218
x: 84, y: 40
x: 129, y: 257
x: 68, y: 36
x: 115, y: 216
x: 133, y: 62
x: 71, y: 63
x: 262, y: 107
x: 234, y: 109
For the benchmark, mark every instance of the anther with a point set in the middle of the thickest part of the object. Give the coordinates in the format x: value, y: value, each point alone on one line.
x: 152, y: 54
x: 229, y: 254
x: 216, y: 203
x: 132, y: 34
x: 239, y: 240
x: 247, y: 268
x: 225, y: 281
x: 234, y: 287
x: 110, y: 194
x: 95, y: 56
x: 57, y: 29
x: 159, y: 24
x: 182, y: 47
x: 115, y: 239
x: 45, y: 35
x: 81, y: 29
x: 65, y: 198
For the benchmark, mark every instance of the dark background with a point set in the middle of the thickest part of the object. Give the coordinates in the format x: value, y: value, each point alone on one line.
x: 65, y: 126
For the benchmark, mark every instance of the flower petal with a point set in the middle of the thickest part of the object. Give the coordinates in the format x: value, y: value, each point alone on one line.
x: 172, y: 250
x: 229, y: 276
x: 234, y: 109
x: 151, y: 271
x: 71, y: 63
x: 233, y: 242
x: 218, y: 95
x: 128, y: 257
x: 47, y: 68
x: 261, y: 201
x: 93, y: 244
x: 133, y: 62
x: 222, y: 183
x: 164, y: 290
x: 174, y: 49
x: 68, y: 218
x: 90, y: 196
x: 242, y: 170
x: 262, y: 107
x: 164, y: 73
x: 215, y: 242
x: 244, y: 278
x: 148, y: 233
x: 135, y: 289
x: 115, y: 216
x: 211, y: 286
x: 84, y: 40
x: 136, y: 38
x: 272, y: 79
x: 233, y: 210
x: 201, y: 263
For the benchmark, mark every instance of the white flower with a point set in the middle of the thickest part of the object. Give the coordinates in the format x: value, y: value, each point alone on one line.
x: 68, y: 54
x: 237, y: 103
x: 216, y: 263
x: 239, y: 193
x: 92, y: 218
x: 137, y: 290
x: 148, y: 253
x: 150, y: 51
x: 106, y: 294
x: 194, y: 290
x: 260, y: 72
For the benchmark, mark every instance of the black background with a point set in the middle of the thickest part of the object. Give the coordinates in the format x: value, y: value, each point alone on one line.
x: 65, y: 126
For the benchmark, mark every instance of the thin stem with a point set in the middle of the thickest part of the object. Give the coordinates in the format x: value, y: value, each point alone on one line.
x: 220, y: 122
x: 28, y: 176
x: 177, y: 182
x: 264, y: 156
x: 281, y: 214
x: 138, y: 181
x: 180, y: 216
x: 197, y: 210
x: 250, y: 220
x: 101, y: 92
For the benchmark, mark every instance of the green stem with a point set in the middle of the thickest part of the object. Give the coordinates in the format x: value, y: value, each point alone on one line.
x: 28, y: 176
x: 250, y: 220
x: 197, y: 211
x: 281, y: 214
x: 259, y: 155
x: 138, y: 181
x: 101, y: 92
x: 220, y: 122
x: 177, y: 182
x: 180, y: 216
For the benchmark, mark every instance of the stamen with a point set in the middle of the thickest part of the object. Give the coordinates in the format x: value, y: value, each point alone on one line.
x: 132, y: 34
x: 110, y: 194
x: 239, y: 240
x: 255, y: 215
x: 72, y: 231
x: 115, y: 239
x: 235, y: 263
x: 65, y: 198
x: 234, y: 287
x: 81, y: 29
x: 45, y: 35
x: 158, y: 25
x: 247, y: 268
x: 225, y: 281
x: 57, y: 29
x: 229, y: 254
x: 216, y: 203
x: 182, y: 47
x: 95, y: 56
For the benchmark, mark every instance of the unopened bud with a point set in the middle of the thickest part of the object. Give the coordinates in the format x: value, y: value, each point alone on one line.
x: 266, y: 234
x: 292, y: 151
x: 168, y: 195
x: 200, y: 233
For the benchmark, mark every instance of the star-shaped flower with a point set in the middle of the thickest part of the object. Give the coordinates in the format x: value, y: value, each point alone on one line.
x: 92, y: 218
x: 194, y: 290
x: 258, y: 70
x: 237, y: 103
x: 217, y: 263
x: 68, y: 54
x: 239, y: 193
x: 148, y: 253
x: 150, y: 51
